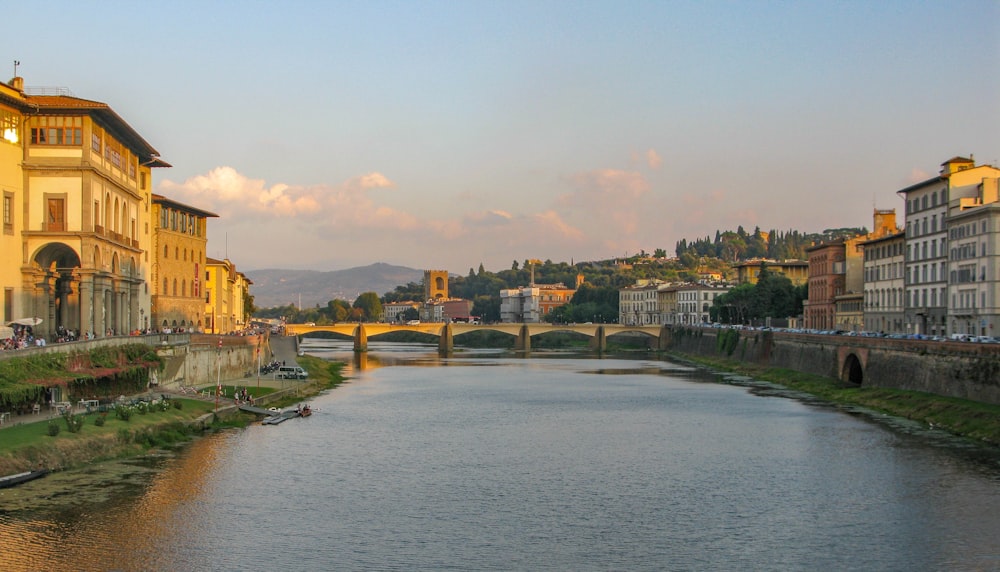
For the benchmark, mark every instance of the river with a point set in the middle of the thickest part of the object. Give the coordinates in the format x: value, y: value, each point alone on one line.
x: 490, y: 461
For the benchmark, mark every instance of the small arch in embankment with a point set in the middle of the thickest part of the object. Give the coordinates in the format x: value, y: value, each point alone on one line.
x: 852, y: 371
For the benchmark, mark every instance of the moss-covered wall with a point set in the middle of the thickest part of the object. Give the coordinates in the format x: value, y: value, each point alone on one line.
x: 954, y: 369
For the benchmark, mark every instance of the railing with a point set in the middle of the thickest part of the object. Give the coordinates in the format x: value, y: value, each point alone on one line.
x: 86, y: 345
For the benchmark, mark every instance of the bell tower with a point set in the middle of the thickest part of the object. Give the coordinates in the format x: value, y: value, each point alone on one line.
x: 435, y: 284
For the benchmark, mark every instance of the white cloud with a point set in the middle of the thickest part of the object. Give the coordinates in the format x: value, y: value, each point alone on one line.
x: 653, y: 159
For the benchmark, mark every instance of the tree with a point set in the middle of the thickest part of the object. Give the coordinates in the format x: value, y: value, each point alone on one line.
x: 370, y: 306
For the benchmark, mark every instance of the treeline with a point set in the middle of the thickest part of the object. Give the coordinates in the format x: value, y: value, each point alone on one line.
x: 734, y: 246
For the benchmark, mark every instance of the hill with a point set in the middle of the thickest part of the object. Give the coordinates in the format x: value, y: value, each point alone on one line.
x: 278, y: 287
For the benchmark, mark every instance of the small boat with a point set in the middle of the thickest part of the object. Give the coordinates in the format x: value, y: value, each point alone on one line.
x: 11, y: 480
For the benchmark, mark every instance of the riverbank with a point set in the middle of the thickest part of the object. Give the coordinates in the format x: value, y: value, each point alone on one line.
x: 969, y: 419
x: 31, y: 445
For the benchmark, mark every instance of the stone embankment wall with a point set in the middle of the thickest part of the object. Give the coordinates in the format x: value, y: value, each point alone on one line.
x: 953, y: 369
x: 202, y: 361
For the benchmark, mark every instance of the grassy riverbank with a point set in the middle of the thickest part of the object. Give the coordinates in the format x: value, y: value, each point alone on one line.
x: 32, y: 445
x: 970, y: 419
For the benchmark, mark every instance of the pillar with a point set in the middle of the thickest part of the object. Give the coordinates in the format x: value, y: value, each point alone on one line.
x: 599, y: 342
x: 86, y: 304
x: 360, y: 339
x: 446, y: 341
x: 664, y: 339
x: 523, y: 342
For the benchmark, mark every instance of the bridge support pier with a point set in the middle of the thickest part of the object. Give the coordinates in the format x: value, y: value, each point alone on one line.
x: 663, y: 342
x: 523, y: 342
x: 446, y: 341
x: 599, y: 342
x: 360, y: 339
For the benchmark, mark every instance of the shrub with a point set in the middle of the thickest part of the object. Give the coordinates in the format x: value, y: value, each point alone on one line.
x: 73, y: 422
x: 177, y: 404
x: 53, y: 428
x: 100, y: 420
x: 123, y: 412
x: 142, y: 407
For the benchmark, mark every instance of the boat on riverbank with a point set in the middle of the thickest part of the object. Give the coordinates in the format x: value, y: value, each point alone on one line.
x: 13, y: 480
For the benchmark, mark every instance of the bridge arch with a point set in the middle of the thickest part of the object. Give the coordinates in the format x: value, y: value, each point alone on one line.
x: 853, y: 370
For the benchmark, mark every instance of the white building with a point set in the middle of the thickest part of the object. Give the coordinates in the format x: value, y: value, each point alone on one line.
x: 638, y: 305
x: 393, y: 310
x: 927, y: 251
x: 694, y: 302
x: 520, y: 305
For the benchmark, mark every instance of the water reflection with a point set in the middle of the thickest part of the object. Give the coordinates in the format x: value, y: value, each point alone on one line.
x: 494, y: 461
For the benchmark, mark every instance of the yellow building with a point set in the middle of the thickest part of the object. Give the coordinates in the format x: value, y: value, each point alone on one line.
x: 76, y: 182
x: 748, y: 271
x: 11, y: 188
x: 227, y: 294
x: 179, y: 239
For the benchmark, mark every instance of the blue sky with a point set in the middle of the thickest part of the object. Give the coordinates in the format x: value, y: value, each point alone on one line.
x: 449, y: 134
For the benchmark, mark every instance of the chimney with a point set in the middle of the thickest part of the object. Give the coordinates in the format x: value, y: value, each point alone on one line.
x: 17, y: 83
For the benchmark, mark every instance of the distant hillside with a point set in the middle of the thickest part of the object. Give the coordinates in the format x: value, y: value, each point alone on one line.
x: 277, y: 287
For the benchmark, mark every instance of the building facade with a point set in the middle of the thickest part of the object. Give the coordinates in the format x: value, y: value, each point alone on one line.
x: 694, y: 302
x: 639, y: 305
x: 530, y: 304
x: 76, y: 182
x: 884, y: 266
x: 927, y: 251
x: 226, y: 292
x: 748, y: 271
x: 974, y: 259
x: 177, y: 284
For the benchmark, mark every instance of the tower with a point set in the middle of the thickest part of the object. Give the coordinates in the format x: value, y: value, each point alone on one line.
x: 435, y: 284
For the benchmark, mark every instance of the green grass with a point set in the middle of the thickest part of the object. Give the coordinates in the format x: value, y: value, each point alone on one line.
x: 36, y: 432
x: 971, y: 419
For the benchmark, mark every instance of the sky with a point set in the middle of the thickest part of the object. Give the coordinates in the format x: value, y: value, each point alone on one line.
x: 445, y: 135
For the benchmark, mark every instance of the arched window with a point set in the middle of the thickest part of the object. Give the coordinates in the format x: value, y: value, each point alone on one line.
x: 175, y: 286
x: 165, y: 291
x: 184, y: 287
x: 166, y: 251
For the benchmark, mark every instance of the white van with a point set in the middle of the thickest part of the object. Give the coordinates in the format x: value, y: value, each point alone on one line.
x: 291, y: 372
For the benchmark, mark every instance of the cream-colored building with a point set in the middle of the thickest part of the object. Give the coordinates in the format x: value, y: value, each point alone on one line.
x: 177, y: 281
x: 226, y: 294
x: 974, y: 254
x: 76, y: 182
x: 638, y: 304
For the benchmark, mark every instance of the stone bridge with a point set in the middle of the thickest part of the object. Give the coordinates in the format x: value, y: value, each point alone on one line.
x: 446, y: 332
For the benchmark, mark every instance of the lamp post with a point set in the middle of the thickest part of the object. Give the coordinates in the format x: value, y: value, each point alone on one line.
x: 142, y: 320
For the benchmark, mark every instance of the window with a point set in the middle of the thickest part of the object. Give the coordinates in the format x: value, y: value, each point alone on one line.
x: 56, y: 136
x: 8, y: 212
x: 95, y: 143
x: 55, y: 218
x: 9, y: 127
x: 113, y: 152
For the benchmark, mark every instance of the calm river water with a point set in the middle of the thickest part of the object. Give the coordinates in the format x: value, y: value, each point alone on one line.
x: 491, y: 461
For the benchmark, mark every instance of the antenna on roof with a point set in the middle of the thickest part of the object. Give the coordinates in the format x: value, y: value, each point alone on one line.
x: 16, y: 63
